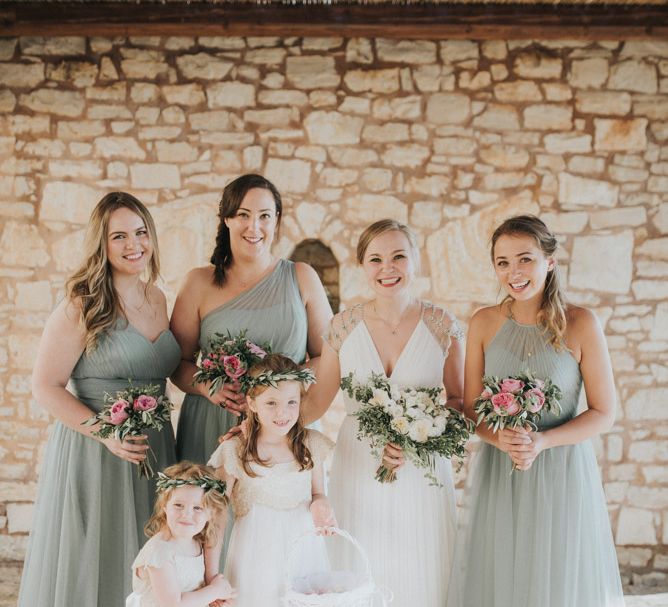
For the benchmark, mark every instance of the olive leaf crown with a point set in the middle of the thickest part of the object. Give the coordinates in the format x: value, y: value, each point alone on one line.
x: 272, y: 378
x: 208, y: 483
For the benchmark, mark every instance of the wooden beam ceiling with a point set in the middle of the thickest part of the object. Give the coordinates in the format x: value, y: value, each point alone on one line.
x: 411, y: 21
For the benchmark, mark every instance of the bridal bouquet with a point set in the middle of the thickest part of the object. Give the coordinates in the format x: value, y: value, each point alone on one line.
x: 130, y: 413
x: 516, y: 401
x: 228, y: 360
x: 415, y: 419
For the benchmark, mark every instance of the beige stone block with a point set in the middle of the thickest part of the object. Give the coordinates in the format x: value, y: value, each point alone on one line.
x: 266, y: 56
x: 7, y: 101
x: 66, y: 251
x: 495, y: 50
x: 355, y: 105
x: 311, y: 152
x: 336, y: 178
x: 653, y: 107
x: 44, y: 148
x: 7, y: 46
x: 20, y: 124
x: 108, y: 112
x: 627, y: 174
x: 660, y: 219
x: 358, y: 50
x: 253, y: 157
x: 657, y: 184
x: 79, y: 73
x: 154, y: 175
x: 173, y: 115
x: 377, y: 180
x: 183, y: 94
x: 505, y: 156
x: 587, y: 165
x: 499, y: 71
x: 353, y: 156
x: 620, y: 135
x: 501, y: 181
x: 535, y: 65
x: 68, y: 201
x: 19, y: 517
x: 108, y: 70
x: 22, y: 245
x: 312, y: 72
x: 34, y: 296
x: 428, y: 78
x: 218, y: 42
x: 448, y: 108
x: 654, y: 248
x: 634, y: 557
x: 589, y: 73
x: 517, y: 91
x: 217, y: 120
x: 557, y: 91
x: 426, y: 214
x: 275, y: 117
x: 56, y: 45
x: 624, y: 217
x: 434, y: 186
x: 75, y: 169
x: 284, y: 97
x: 311, y: 217
x: 566, y: 223
x: 635, y: 76
x: 548, y: 117
x: 333, y: 128
x: 118, y: 147
x: 645, y: 48
x: 230, y: 94
x: 204, y: 66
x: 455, y: 146
x: 567, y: 143
x: 648, y: 404
x: 175, y: 152
x: 603, y: 102
x: 376, y: 81
x: 321, y: 44
x: 289, y: 175
x: 459, y: 50
x: 406, y: 51
x: 320, y: 99
x: 649, y: 451
x: 52, y: 101
x: 635, y: 527
x: 21, y: 75
x: 144, y: 66
x: 579, y: 191
x: 474, y: 81
x: 407, y: 156
x: 498, y: 118
x: 113, y: 92
x: 391, y: 131
x: 586, y: 270
x: 650, y: 289
x: 660, y: 322
x: 364, y: 209
x: 398, y: 108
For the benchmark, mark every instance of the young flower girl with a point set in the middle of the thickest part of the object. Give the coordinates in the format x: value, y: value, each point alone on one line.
x: 274, y: 475
x: 169, y: 569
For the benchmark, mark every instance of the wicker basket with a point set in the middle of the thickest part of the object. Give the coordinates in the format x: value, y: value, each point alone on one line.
x: 332, y: 588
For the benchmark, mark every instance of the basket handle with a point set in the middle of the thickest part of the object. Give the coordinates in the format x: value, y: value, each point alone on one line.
x: 336, y: 531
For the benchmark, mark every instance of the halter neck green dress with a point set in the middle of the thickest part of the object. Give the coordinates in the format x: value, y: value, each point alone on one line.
x: 91, y: 506
x: 271, y: 312
x: 540, y: 537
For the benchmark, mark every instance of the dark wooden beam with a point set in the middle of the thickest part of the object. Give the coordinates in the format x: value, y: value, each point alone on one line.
x: 458, y: 21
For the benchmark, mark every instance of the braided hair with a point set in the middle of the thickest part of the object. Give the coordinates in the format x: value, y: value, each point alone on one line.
x: 233, y: 196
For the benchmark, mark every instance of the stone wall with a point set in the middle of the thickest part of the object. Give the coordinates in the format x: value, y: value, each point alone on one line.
x: 450, y: 136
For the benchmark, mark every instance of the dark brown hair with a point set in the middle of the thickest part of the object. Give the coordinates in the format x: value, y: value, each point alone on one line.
x: 276, y: 363
x: 552, y: 313
x: 233, y: 195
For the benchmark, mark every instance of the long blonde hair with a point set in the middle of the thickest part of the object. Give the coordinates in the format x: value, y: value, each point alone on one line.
x: 92, y: 284
x: 214, y: 502
x: 552, y: 313
x: 276, y: 363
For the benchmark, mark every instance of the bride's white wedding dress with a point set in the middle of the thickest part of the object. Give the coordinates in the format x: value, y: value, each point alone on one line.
x: 406, y: 527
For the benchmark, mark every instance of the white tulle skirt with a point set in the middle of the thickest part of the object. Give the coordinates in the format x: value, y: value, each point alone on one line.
x: 257, y: 559
x: 406, y: 527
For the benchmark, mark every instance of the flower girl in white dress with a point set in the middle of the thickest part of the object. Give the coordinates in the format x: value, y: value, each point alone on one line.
x: 407, y: 527
x: 169, y: 569
x: 275, y: 479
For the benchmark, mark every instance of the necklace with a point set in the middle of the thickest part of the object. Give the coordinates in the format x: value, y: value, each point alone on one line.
x: 393, y: 328
x: 528, y: 347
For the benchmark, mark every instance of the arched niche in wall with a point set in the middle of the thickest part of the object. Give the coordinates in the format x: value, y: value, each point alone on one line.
x: 321, y: 258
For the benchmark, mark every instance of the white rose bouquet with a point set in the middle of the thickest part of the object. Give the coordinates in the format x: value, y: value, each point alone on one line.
x: 415, y: 419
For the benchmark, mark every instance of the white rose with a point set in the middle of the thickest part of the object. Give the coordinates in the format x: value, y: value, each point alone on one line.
x: 419, y: 430
x: 395, y: 393
x: 414, y: 413
x: 440, y: 422
x: 379, y: 398
x: 395, y: 410
x: 400, y: 424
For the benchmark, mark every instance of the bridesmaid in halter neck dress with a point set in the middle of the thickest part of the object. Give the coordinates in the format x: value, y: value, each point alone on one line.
x: 91, y: 506
x: 406, y: 527
x: 541, y: 535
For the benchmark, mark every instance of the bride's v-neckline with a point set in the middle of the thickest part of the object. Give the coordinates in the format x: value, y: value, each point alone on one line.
x: 379, y: 359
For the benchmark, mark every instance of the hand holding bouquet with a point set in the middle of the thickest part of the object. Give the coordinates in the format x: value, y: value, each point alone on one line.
x: 228, y: 360
x: 415, y: 419
x: 130, y: 413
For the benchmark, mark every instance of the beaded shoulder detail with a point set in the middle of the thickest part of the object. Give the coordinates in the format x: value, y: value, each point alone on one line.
x: 342, y: 325
x: 442, y: 325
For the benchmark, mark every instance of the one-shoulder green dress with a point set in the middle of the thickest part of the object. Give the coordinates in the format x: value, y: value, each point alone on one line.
x: 271, y: 312
x: 91, y: 506
x: 540, y: 537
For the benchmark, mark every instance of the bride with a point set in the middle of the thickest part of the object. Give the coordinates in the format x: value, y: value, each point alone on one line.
x: 407, y: 527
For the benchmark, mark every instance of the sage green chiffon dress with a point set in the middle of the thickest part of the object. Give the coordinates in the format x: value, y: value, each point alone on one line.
x: 540, y: 537
x: 91, y: 506
x: 271, y: 312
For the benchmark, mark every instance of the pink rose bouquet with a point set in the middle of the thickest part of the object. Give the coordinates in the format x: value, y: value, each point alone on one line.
x: 227, y: 360
x: 130, y: 413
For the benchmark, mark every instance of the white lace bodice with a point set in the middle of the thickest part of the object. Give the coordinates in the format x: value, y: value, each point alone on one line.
x: 281, y: 486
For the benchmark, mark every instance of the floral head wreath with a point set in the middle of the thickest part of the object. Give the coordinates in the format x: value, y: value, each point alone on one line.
x: 208, y: 483
x: 271, y: 378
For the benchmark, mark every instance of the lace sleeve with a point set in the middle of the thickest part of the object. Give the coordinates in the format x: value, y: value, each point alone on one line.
x: 319, y: 446
x: 227, y: 456
x: 442, y: 325
x: 155, y: 553
x: 342, y: 325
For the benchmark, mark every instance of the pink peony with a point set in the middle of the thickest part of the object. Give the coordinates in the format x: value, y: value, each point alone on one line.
x: 145, y: 403
x: 255, y: 349
x: 486, y: 394
x: 119, y: 412
x: 504, y: 403
x: 207, y: 363
x: 234, y: 368
x: 511, y: 385
x: 536, y: 400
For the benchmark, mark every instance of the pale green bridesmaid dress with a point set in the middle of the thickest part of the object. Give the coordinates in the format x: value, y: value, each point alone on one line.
x: 91, y: 506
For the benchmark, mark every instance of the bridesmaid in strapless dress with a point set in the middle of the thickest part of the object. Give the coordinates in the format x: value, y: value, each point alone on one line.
x: 110, y: 328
